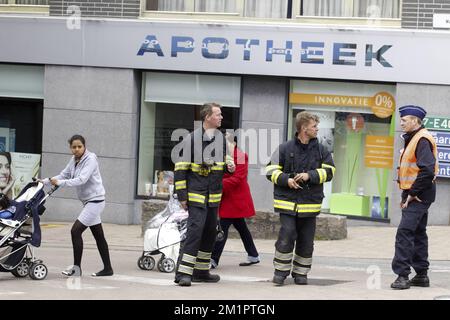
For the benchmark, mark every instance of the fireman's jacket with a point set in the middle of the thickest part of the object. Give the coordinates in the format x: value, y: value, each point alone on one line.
x: 198, y: 177
x: 291, y: 158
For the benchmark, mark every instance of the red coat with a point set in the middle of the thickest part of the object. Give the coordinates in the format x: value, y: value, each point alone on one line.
x: 236, y: 197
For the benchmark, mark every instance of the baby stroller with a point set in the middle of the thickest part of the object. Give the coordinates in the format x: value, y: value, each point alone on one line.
x: 163, y: 234
x: 20, y: 234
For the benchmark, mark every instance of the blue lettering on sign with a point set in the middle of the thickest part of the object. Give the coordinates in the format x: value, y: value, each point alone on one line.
x: 215, y: 48
x: 337, y: 54
x: 444, y: 170
x: 247, y: 43
x: 311, y: 52
x: 182, y: 44
x: 312, y: 56
x: 378, y: 55
x: 150, y: 44
x: 287, y: 52
x: 442, y: 138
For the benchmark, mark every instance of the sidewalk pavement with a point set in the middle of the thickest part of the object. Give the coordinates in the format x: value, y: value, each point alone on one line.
x: 362, y: 241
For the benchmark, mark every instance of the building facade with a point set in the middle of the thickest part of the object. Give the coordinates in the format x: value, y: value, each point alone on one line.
x: 127, y: 74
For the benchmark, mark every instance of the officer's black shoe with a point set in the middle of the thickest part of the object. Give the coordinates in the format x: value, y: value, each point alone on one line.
x: 278, y: 280
x: 202, y: 276
x: 184, y: 281
x: 301, y: 279
x: 400, y: 283
x: 420, y: 281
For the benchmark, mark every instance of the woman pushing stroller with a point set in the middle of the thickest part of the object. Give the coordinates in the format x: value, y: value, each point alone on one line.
x: 82, y: 172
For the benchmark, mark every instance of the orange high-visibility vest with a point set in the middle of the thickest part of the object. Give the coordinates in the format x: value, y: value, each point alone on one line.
x: 408, y: 169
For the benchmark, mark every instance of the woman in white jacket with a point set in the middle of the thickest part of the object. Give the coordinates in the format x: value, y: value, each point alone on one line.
x: 83, y: 172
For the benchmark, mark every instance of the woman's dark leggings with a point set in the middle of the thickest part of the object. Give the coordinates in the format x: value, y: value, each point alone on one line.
x: 246, y: 237
x: 77, y: 241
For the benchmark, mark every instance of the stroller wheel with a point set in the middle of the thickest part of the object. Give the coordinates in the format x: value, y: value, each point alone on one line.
x: 167, y: 265
x: 38, y: 271
x: 21, y: 270
x: 146, y: 263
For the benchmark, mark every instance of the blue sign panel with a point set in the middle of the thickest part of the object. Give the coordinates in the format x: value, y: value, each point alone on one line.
x: 443, y: 154
x: 443, y: 142
x: 442, y: 138
x: 444, y: 170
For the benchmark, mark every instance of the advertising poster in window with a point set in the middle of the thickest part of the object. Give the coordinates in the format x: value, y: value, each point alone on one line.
x: 16, y: 170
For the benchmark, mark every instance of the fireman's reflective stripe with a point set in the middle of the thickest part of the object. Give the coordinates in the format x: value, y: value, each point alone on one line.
x: 182, y: 166
x: 322, y: 175
x: 215, y: 197
x: 273, y: 167
x: 195, y: 197
x: 286, y: 205
x: 283, y: 256
x: 218, y: 166
x: 202, y: 265
x: 325, y: 166
x: 309, y: 207
x: 303, y: 261
x: 185, y: 269
x: 195, y: 167
x: 282, y: 266
x: 188, y: 258
x: 204, y: 255
x: 180, y: 184
x: 300, y: 270
x: 275, y: 176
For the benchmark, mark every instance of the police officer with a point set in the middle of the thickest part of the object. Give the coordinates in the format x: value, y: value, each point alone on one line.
x: 298, y: 170
x: 416, y: 174
x: 198, y: 185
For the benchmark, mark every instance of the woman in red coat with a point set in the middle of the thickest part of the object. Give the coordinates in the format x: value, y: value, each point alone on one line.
x: 236, y: 205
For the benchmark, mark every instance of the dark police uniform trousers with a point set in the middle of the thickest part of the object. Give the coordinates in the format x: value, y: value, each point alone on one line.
x: 411, y: 242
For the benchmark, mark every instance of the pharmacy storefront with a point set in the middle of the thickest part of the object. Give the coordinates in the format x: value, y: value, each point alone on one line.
x: 130, y: 88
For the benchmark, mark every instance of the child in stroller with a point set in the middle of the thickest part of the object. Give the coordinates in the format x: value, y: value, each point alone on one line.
x: 164, y: 234
x: 20, y: 232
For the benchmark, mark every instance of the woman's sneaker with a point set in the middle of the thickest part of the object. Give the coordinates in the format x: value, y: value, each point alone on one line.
x: 103, y: 273
x: 73, y: 271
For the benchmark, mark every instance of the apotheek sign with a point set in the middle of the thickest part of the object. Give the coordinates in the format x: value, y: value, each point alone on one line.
x: 439, y: 127
x: 232, y: 47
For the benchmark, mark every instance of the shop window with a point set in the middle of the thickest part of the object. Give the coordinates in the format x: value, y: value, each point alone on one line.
x: 172, y: 101
x: 351, y: 8
x: 21, y: 125
x: 357, y: 126
x: 246, y: 8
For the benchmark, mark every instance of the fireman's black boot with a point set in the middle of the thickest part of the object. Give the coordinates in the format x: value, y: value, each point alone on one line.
x: 184, y: 280
x: 301, y: 279
x: 420, y: 281
x: 204, y: 276
x: 401, y: 283
x: 278, y: 280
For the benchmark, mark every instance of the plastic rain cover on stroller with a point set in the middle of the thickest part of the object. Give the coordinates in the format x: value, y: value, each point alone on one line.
x: 164, y: 233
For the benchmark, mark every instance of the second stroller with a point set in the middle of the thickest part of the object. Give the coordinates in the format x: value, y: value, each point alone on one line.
x: 164, y: 233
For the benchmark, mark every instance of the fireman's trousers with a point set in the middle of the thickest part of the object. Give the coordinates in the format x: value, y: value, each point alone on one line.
x: 195, y: 252
x: 298, y: 232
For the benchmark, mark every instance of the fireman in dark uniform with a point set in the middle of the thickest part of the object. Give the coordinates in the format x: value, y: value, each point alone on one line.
x: 298, y: 170
x: 198, y: 185
x: 416, y: 174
